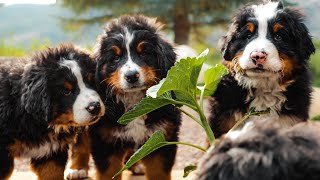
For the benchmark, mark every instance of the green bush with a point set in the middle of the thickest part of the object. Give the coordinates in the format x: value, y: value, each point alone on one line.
x: 315, y: 64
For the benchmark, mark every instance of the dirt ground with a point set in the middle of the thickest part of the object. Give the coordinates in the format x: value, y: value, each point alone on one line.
x: 189, y: 132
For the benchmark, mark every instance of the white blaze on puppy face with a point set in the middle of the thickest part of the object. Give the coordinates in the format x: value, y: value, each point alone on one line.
x: 85, y: 96
x: 262, y: 13
x: 130, y: 65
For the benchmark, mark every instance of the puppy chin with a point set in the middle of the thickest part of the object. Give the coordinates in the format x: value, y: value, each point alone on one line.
x: 258, y: 73
x: 135, y: 89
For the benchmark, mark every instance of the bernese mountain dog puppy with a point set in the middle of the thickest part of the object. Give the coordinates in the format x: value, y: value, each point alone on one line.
x: 131, y: 56
x: 266, y: 153
x: 266, y: 50
x: 44, y: 100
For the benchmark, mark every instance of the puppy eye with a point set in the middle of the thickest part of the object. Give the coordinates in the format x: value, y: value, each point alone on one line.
x: 277, y: 38
x: 117, y: 58
x: 249, y: 36
x: 66, y: 92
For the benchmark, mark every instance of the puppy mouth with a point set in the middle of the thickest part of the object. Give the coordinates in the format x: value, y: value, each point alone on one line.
x: 259, y: 72
x: 134, y: 88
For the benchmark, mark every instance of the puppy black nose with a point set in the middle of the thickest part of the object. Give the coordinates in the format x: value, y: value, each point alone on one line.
x: 94, y: 108
x: 132, y: 76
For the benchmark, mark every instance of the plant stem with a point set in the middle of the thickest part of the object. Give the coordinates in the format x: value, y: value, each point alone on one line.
x: 188, y: 144
x: 247, y: 115
x: 183, y: 103
x: 240, y: 122
x: 192, y: 117
x: 206, y: 126
x: 201, y: 98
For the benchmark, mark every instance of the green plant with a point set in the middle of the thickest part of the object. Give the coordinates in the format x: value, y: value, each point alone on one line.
x: 315, y: 118
x: 182, y: 81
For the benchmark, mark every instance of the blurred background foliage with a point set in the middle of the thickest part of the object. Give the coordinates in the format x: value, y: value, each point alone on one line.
x: 197, y: 23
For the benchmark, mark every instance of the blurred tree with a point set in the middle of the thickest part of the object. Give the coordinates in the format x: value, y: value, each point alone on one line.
x: 180, y: 16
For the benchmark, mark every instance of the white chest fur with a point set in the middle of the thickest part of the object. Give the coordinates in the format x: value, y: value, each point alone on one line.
x: 130, y: 99
x: 267, y: 93
x: 136, y: 130
x: 42, y: 150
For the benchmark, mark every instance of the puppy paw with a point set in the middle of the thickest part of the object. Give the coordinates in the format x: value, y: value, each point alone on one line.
x: 137, y: 169
x: 75, y: 174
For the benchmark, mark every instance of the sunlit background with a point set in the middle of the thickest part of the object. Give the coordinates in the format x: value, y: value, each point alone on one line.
x: 29, y: 25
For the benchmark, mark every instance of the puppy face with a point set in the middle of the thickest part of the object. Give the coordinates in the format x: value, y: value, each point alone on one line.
x: 59, y: 88
x: 267, y: 40
x: 131, y: 54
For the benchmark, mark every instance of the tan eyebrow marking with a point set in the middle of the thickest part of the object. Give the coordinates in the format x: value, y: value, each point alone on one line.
x: 276, y: 27
x: 250, y: 27
x: 116, y: 50
x: 140, y: 46
x: 68, y: 85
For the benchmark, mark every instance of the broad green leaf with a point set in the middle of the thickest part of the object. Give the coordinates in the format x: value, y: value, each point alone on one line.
x: 183, y: 76
x: 188, y: 169
x: 156, y: 141
x: 153, y: 90
x: 212, y: 77
x: 145, y: 106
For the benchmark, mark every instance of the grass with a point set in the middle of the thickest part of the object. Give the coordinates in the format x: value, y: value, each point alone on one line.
x: 7, y: 50
x: 18, y: 51
x: 315, y: 64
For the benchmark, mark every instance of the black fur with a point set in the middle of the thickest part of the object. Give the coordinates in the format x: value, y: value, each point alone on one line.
x: 158, y: 55
x: 295, y: 43
x: 266, y: 154
x: 31, y: 98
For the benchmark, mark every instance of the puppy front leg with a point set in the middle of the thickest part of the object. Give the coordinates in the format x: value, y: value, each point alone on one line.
x: 79, y: 158
x: 108, y: 159
x: 159, y: 163
x: 50, y: 167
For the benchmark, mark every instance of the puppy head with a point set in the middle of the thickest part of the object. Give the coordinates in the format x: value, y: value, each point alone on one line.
x: 131, y: 54
x: 267, y: 40
x: 58, y: 87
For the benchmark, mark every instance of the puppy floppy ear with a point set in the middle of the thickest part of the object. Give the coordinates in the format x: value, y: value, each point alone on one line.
x: 225, y: 44
x: 304, y: 45
x: 166, y: 56
x: 303, y: 41
x: 35, y: 98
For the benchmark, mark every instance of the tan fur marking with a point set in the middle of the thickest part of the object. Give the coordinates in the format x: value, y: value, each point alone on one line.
x: 16, y: 148
x: 64, y: 118
x: 116, y: 50
x: 154, y: 167
x: 81, y: 152
x: 49, y: 171
x: 68, y: 86
x: 114, y: 81
x: 115, y: 164
x: 140, y: 47
x: 251, y: 27
x: 149, y: 75
x: 287, y: 67
x: 276, y: 27
x: 232, y: 65
x: 90, y: 77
